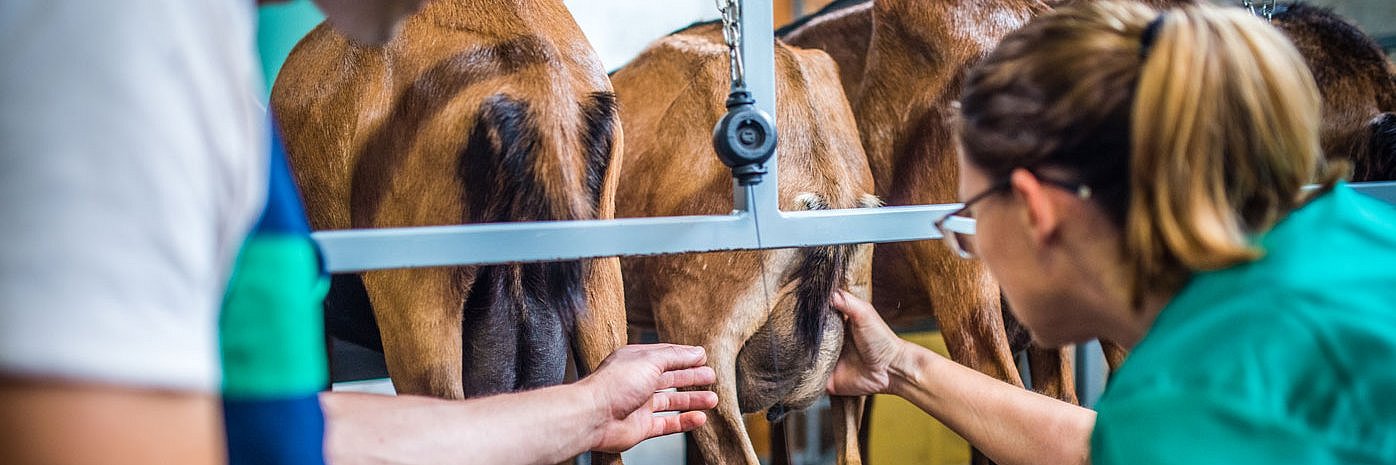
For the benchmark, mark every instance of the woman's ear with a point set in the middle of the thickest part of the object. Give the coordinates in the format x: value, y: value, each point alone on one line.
x: 1041, y: 214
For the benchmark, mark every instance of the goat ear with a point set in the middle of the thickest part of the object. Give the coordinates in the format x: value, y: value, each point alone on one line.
x: 1380, y: 164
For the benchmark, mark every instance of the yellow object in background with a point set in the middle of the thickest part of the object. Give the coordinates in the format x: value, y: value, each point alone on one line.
x: 760, y: 433
x: 901, y: 434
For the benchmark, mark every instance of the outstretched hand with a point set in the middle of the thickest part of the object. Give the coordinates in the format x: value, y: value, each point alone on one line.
x: 625, y: 388
x: 864, y: 368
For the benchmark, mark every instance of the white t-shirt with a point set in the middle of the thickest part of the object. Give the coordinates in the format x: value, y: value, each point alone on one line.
x: 132, y: 164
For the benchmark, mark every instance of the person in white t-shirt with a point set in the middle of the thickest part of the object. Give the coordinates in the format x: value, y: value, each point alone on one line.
x: 132, y: 165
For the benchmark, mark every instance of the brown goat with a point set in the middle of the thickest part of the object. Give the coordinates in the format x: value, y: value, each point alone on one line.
x: 906, y: 60
x: 1355, y: 77
x: 1357, y: 80
x: 917, y: 61
x: 764, y: 316
x: 479, y: 111
x: 843, y: 29
x: 1358, y: 84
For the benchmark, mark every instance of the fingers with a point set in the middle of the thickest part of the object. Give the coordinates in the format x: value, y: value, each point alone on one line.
x: 670, y: 424
x: 689, y: 377
x: 834, y: 387
x: 848, y: 380
x: 857, y: 310
x: 683, y: 401
x: 671, y: 357
x: 838, y: 301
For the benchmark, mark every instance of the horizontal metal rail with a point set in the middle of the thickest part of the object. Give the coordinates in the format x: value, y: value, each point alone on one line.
x: 1384, y: 191
x: 484, y: 244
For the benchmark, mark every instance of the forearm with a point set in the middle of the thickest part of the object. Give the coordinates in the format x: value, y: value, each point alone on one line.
x: 77, y: 423
x: 1011, y: 425
x: 544, y: 426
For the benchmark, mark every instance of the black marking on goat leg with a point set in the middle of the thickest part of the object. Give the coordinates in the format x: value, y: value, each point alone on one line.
x: 542, y: 300
x: 598, y: 140
x: 426, y: 98
x: 821, y: 272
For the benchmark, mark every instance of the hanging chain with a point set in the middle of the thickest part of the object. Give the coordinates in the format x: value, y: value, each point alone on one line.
x: 732, y: 34
x: 1262, y: 8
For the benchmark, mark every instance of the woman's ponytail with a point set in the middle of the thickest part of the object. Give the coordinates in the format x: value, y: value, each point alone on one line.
x: 1224, y: 136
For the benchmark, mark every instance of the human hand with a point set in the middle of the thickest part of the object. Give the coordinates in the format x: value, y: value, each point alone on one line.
x: 625, y: 384
x: 864, y: 368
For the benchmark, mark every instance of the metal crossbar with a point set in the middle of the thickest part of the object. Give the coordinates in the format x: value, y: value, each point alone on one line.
x: 483, y: 244
x: 372, y: 249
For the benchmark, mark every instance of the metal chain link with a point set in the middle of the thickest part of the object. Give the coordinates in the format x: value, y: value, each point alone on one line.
x: 1262, y: 8
x: 732, y: 34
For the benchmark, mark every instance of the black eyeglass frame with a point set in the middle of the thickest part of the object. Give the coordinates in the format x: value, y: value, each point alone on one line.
x: 953, y: 225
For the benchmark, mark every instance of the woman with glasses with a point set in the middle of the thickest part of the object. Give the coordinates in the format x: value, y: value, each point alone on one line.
x: 1140, y: 177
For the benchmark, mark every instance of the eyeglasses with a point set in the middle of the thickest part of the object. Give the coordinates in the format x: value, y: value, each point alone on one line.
x: 957, y: 229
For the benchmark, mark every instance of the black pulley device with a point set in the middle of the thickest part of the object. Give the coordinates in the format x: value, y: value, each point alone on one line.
x: 745, y: 138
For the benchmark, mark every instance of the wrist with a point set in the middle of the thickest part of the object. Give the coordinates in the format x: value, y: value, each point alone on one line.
x: 905, y: 371
x: 596, y: 411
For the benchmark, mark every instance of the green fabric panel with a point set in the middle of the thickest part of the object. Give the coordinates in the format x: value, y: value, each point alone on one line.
x: 272, y: 329
x: 1145, y: 431
x: 279, y: 27
x: 1284, y: 360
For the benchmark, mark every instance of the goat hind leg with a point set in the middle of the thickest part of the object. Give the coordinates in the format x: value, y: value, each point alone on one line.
x: 723, y: 440
x: 419, y: 314
x: 602, y: 328
x: 848, y: 416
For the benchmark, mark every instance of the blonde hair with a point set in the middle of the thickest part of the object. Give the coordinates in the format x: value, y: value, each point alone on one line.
x: 1194, y: 141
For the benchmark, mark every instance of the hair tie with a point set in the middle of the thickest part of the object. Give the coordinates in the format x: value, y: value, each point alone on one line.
x: 1146, y: 40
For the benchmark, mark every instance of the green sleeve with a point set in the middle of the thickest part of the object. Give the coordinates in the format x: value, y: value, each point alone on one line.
x: 1197, y: 429
x: 271, y: 328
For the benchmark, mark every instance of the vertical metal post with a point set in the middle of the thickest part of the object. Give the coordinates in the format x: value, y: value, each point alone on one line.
x: 814, y: 417
x: 758, y: 46
x: 1090, y: 373
x: 1024, y: 368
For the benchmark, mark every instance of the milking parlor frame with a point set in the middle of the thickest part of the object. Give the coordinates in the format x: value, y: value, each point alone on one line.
x: 756, y: 221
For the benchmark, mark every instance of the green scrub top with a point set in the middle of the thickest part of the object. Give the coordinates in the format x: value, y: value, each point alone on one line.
x: 1290, y: 359
x: 279, y: 27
